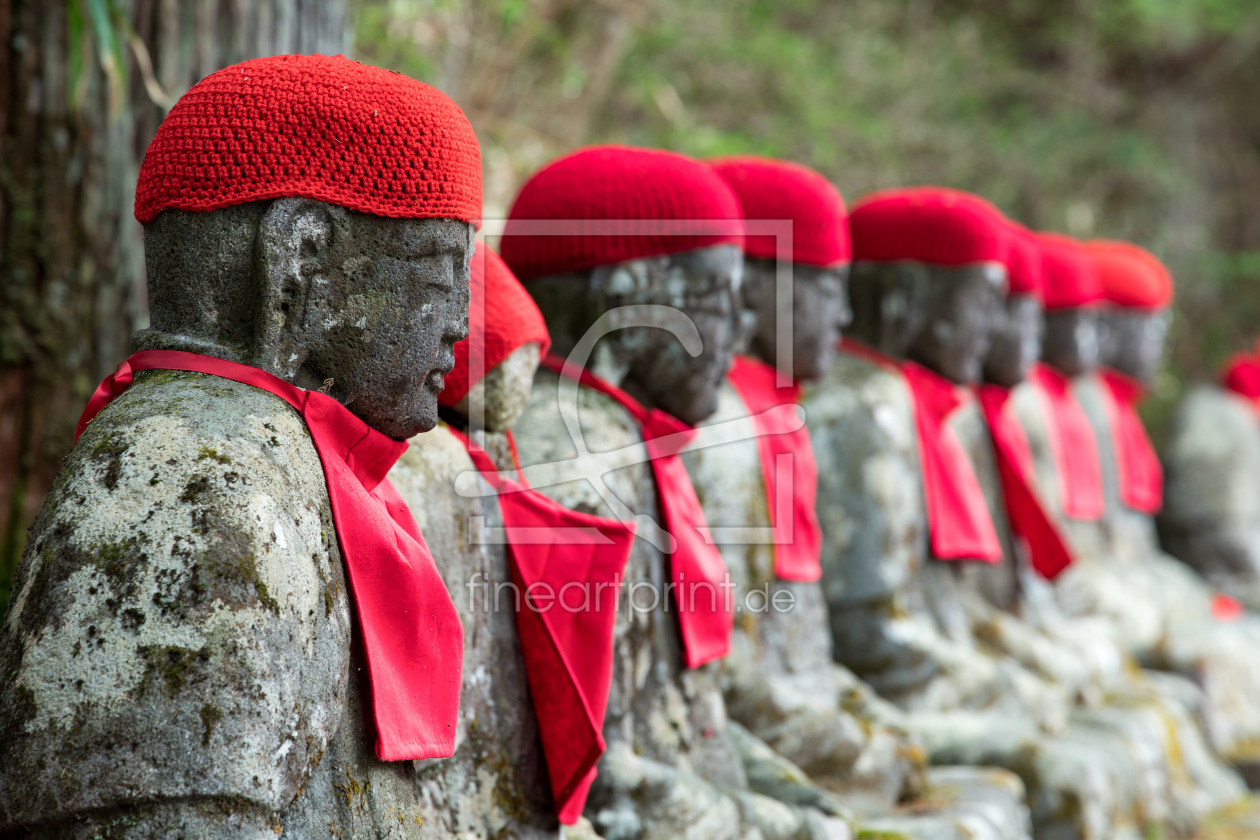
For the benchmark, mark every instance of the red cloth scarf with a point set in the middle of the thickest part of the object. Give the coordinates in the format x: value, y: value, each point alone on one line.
x: 1029, y: 518
x: 1072, y: 445
x: 705, y: 613
x: 567, y: 643
x: 412, y: 639
x: 958, y: 516
x: 798, y: 542
x: 1138, y: 471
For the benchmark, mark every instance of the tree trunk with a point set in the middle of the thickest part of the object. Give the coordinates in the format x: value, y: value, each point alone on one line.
x: 84, y: 85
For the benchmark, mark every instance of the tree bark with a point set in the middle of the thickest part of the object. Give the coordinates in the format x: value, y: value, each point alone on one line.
x: 72, y: 282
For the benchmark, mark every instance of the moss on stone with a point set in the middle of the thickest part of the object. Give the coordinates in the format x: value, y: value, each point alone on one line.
x: 210, y: 715
x: 108, y: 451
x: 174, y: 665
x: 209, y: 452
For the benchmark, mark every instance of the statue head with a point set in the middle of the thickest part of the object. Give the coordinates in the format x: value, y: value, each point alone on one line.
x: 327, y: 243
x: 1072, y: 294
x: 664, y: 232
x: 1138, y: 291
x: 772, y: 194
x: 1020, y: 322
x: 495, y: 365
x: 929, y: 277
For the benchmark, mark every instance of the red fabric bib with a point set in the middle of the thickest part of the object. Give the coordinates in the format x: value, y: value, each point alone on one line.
x: 797, y: 543
x: 1072, y: 445
x: 705, y: 612
x: 567, y: 642
x: 1029, y: 519
x: 1138, y: 471
x: 958, y: 517
x: 412, y: 639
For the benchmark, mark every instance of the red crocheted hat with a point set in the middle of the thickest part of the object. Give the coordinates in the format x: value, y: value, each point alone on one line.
x: 1131, y: 277
x: 775, y: 189
x: 618, y: 203
x: 317, y: 127
x: 928, y: 224
x: 1024, y: 265
x: 1241, y: 375
x: 1070, y: 278
x: 509, y: 319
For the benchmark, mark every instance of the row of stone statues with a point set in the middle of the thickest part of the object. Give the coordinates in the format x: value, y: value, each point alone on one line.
x: 678, y: 560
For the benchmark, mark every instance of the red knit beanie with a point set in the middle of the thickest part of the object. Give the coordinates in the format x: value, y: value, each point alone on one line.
x: 1241, y: 375
x: 618, y: 203
x: 1070, y: 278
x: 325, y: 128
x: 1025, y: 267
x: 928, y: 224
x: 509, y: 319
x: 775, y: 189
x: 1131, y: 277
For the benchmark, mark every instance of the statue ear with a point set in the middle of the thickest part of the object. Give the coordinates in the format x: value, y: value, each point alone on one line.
x: 293, y: 247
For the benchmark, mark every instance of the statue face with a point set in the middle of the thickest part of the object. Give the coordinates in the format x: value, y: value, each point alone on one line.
x: 364, y: 307
x: 820, y: 310
x: 1072, y: 340
x: 384, y: 322
x: 1133, y: 342
x: 958, y: 319
x: 703, y: 285
x: 501, y: 394
x: 1016, y: 341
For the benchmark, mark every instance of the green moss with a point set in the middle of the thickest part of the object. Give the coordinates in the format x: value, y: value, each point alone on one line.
x: 210, y: 715
x: 174, y: 665
x: 108, y: 451
x: 869, y: 834
x: 212, y: 454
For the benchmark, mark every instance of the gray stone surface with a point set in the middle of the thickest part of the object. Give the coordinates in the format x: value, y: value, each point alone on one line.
x: 496, y: 784
x: 924, y: 632
x: 780, y: 680
x: 178, y: 649
x: 672, y: 768
x: 1222, y: 657
x: 1211, y: 515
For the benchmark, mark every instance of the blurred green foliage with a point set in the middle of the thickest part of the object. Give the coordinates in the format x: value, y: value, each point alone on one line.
x: 1129, y: 119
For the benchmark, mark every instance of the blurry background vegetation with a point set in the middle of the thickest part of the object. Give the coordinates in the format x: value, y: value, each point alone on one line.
x: 1133, y: 119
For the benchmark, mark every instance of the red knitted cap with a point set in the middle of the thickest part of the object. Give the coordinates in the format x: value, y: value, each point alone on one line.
x: 928, y: 224
x: 1131, y: 277
x: 655, y: 203
x: 1241, y: 375
x: 1070, y: 278
x: 1024, y: 264
x: 511, y: 320
x: 775, y: 189
x: 325, y: 128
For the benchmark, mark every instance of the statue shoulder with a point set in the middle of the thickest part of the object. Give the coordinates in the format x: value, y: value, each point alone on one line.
x: 860, y: 406
x: 179, y: 627
x: 542, y: 438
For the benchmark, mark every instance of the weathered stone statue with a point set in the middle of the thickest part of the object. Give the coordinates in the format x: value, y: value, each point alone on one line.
x: 496, y: 783
x: 781, y: 680
x: 1220, y: 655
x: 904, y: 515
x: 181, y: 657
x: 676, y: 766
x: 1211, y: 515
x: 1177, y: 779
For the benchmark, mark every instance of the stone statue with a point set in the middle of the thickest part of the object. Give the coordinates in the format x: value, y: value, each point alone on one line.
x: 781, y: 681
x: 1126, y: 598
x: 1211, y: 515
x: 675, y: 764
x: 181, y: 657
x: 926, y: 289
x: 1179, y: 779
x: 496, y: 783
